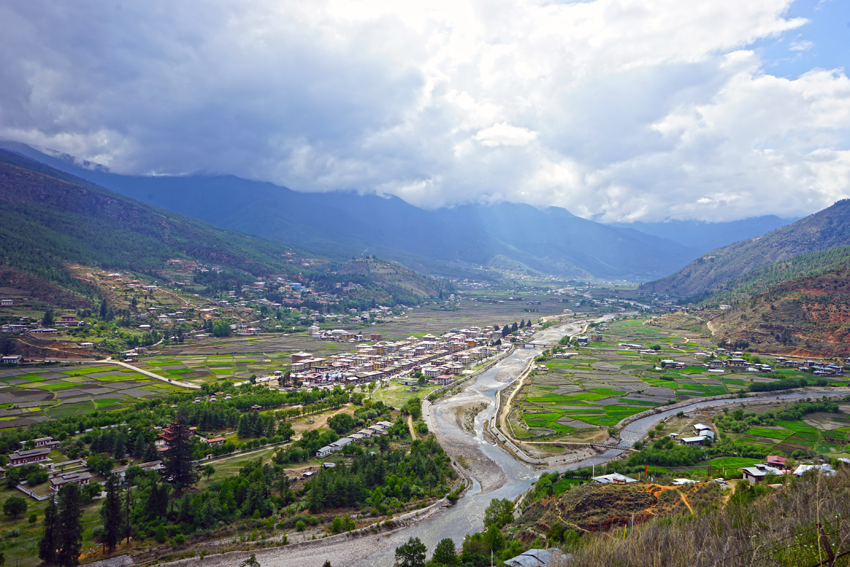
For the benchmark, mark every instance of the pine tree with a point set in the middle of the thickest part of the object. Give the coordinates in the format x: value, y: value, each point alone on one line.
x: 178, y: 458
x: 111, y: 513
x: 70, y: 527
x: 48, y: 543
x: 139, y: 448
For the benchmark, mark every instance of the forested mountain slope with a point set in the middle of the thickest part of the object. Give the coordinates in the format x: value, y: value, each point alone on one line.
x: 549, y: 240
x: 742, y: 288
x: 820, y: 231
x: 49, y: 219
x: 807, y: 316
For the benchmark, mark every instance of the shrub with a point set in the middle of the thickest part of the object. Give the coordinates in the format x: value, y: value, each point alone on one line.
x: 299, y: 526
x: 160, y: 535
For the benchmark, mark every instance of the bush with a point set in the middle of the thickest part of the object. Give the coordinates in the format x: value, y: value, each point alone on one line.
x: 299, y: 526
x: 160, y: 535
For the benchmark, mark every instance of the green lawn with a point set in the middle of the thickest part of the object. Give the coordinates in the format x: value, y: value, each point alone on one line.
x: 769, y: 433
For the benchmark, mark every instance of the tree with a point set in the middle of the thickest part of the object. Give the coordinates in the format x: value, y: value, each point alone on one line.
x: 499, y: 513
x: 70, y: 527
x: 209, y: 470
x: 506, y: 331
x: 100, y: 463
x: 113, y: 518
x: 48, y: 319
x: 14, y: 506
x: 411, y: 554
x: 49, y: 540
x: 178, y: 465
x: 220, y: 328
x: 445, y: 553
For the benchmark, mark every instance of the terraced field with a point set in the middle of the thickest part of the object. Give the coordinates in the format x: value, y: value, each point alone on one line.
x: 201, y: 369
x: 606, y: 382
x: 33, y: 395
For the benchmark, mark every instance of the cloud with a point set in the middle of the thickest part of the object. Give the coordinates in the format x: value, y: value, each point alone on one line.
x: 802, y: 45
x: 503, y: 134
x: 613, y: 109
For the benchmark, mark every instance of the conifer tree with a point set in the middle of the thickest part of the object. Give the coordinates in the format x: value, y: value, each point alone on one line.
x: 70, y: 527
x: 111, y: 512
x: 178, y: 458
x: 48, y: 543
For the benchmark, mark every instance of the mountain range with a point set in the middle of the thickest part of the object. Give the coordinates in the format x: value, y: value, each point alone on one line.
x: 465, y: 239
x: 50, y: 220
x: 711, y: 271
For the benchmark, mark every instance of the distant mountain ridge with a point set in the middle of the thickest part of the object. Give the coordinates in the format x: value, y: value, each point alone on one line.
x: 50, y: 219
x: 549, y: 240
x: 706, y: 236
x: 821, y: 231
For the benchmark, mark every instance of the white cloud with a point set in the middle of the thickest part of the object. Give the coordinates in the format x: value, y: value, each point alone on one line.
x: 802, y: 45
x: 503, y: 134
x: 615, y: 109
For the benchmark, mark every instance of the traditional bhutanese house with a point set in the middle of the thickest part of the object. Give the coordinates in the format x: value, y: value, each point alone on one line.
x: 692, y: 440
x: 80, y: 478
x: 19, y: 458
x: 215, y: 441
x: 736, y: 362
x: 442, y: 380
x: 776, y: 462
x: 12, y: 359
x: 758, y: 473
x: 825, y: 469
x: 614, y: 478
x: 48, y: 442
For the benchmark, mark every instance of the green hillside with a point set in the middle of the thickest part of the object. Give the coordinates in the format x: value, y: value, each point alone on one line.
x: 50, y: 220
x: 742, y: 288
x: 824, y: 230
x: 47, y: 222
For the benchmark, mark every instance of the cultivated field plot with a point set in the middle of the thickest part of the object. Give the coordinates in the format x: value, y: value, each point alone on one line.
x: 201, y: 369
x: 607, y: 382
x: 36, y: 394
x: 417, y: 322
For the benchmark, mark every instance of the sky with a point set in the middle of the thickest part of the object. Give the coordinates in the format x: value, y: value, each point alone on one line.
x: 617, y: 110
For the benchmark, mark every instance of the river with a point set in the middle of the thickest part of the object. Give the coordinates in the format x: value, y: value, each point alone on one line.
x: 466, y: 516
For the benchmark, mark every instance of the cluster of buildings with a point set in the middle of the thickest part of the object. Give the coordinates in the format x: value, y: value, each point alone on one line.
x: 735, y: 360
x: 59, y: 474
x: 435, y: 357
x: 379, y: 428
x: 701, y: 433
x: 775, y: 466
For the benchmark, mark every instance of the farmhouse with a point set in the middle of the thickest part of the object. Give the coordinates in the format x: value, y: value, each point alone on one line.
x: 12, y: 359
x: 614, y: 478
x: 48, y: 442
x: 758, y: 473
x: 20, y: 458
x: 79, y: 478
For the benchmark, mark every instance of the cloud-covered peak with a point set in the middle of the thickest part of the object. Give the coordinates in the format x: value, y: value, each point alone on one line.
x: 614, y: 109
